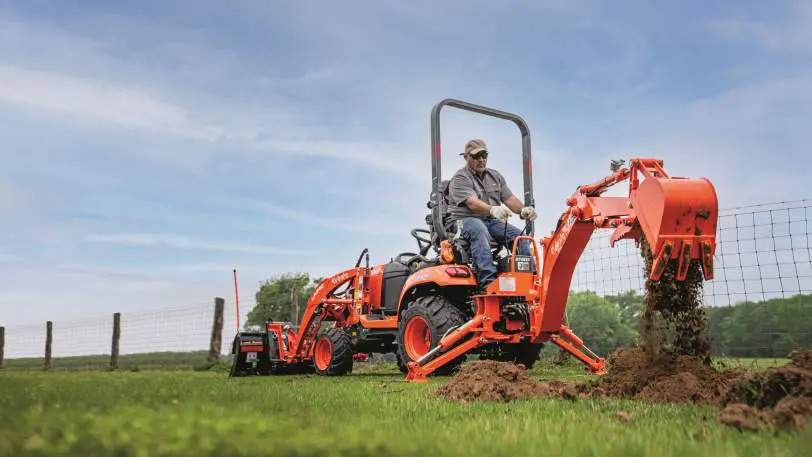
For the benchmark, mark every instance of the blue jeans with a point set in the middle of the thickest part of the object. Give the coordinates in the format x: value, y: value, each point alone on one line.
x: 478, y: 233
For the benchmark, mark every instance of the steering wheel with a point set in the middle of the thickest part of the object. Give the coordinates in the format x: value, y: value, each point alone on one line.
x: 410, y: 256
x: 423, y: 243
x: 411, y: 263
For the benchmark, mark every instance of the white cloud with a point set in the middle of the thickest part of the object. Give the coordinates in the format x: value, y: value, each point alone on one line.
x: 181, y: 242
x: 358, y: 225
x: 97, y: 101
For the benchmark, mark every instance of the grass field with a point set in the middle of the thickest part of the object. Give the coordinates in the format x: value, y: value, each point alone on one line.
x: 370, y: 413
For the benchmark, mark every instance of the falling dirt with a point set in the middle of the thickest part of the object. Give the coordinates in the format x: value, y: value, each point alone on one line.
x: 673, y: 322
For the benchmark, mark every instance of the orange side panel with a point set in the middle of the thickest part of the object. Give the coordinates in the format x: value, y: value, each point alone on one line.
x: 374, y: 284
x: 437, y: 275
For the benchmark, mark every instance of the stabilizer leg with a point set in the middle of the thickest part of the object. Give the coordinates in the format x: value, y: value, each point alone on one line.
x: 569, y: 342
x: 418, y: 373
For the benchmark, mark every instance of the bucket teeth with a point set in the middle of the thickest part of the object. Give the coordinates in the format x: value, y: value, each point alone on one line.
x: 662, y: 259
x: 684, y: 260
x: 707, y: 259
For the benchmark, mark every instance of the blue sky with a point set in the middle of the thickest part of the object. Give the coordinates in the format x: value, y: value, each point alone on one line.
x: 150, y: 148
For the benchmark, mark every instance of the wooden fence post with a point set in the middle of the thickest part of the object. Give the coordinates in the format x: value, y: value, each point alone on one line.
x: 49, y: 339
x: 216, y: 331
x: 2, y: 346
x: 116, y: 338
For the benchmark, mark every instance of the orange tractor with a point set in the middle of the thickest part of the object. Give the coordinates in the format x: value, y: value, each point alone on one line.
x: 426, y: 306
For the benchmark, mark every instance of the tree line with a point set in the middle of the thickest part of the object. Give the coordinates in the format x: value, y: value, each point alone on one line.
x: 769, y: 328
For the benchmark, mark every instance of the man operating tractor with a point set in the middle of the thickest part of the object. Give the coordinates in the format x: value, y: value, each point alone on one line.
x: 476, y: 196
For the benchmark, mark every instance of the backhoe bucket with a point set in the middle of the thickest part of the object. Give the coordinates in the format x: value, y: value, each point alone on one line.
x: 678, y: 218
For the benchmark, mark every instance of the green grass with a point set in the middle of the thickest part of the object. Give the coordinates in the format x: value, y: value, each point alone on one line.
x: 372, y: 412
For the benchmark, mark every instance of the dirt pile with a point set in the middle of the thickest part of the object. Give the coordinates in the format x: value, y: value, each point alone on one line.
x: 779, y: 396
x: 488, y: 380
x: 676, y: 379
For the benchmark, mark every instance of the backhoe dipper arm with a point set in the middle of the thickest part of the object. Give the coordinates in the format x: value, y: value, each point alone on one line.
x: 677, y: 216
x: 322, y: 305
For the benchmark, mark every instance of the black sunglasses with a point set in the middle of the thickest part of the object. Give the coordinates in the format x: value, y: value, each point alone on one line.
x: 480, y: 154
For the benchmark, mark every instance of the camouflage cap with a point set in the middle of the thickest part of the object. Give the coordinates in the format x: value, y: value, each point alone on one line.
x: 475, y: 146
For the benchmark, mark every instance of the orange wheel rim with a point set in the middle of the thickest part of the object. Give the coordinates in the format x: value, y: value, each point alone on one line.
x: 323, y: 354
x: 416, y: 338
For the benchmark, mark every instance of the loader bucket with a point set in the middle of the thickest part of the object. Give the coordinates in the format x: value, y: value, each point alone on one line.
x: 678, y: 218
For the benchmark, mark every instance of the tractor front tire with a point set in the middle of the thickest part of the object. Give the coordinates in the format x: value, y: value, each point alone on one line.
x: 421, y: 327
x: 332, y: 355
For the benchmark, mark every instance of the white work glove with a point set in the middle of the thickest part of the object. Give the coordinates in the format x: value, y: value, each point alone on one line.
x: 500, y: 212
x: 528, y: 212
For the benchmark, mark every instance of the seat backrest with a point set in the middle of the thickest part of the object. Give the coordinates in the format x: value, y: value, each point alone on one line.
x: 444, y: 204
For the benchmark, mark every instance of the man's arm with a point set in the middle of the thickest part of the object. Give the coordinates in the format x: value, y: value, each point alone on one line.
x: 478, y: 206
x: 514, y: 204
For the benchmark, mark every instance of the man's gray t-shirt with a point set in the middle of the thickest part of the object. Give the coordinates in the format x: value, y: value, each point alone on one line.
x: 491, y: 189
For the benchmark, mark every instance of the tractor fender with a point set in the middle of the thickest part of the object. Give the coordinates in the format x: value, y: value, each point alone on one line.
x: 433, y: 278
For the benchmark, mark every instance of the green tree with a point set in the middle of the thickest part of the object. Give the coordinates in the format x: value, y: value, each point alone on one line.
x: 599, y: 322
x: 769, y: 328
x: 630, y: 307
x: 275, y: 295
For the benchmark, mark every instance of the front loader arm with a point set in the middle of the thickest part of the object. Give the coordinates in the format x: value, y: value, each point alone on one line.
x: 323, y: 305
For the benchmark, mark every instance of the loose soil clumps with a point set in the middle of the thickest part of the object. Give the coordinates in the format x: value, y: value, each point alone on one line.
x: 779, y: 396
x: 633, y: 373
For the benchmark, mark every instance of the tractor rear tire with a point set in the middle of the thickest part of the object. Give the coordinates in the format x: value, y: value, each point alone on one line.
x: 332, y: 355
x: 431, y: 316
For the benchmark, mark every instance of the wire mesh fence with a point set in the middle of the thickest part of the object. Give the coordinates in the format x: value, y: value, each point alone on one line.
x: 758, y: 303
x: 155, y: 331
x: 763, y: 252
